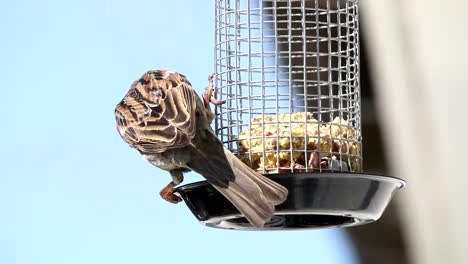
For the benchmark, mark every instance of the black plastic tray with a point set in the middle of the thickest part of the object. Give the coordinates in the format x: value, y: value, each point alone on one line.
x: 315, y: 200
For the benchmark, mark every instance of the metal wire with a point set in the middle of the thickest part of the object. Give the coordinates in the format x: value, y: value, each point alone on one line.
x: 278, y: 58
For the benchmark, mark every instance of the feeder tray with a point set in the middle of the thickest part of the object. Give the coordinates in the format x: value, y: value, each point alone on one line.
x: 315, y: 200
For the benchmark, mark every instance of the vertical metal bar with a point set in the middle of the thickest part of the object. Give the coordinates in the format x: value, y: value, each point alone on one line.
x: 290, y: 81
x: 227, y: 60
x: 276, y: 73
x: 348, y: 70
x: 249, y: 77
x: 339, y: 84
x: 358, y: 85
x: 215, y: 66
x: 238, y: 89
x: 319, y: 92
x: 330, y: 70
x: 304, y: 82
x: 262, y: 83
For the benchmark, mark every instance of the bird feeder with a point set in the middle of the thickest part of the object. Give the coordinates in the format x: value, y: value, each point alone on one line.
x: 288, y: 71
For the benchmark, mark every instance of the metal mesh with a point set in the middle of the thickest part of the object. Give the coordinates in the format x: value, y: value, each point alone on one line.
x: 289, y: 73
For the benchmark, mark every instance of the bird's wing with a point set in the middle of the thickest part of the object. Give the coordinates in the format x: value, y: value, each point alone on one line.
x: 158, y: 112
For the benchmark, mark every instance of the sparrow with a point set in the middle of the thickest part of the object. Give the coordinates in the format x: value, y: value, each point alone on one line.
x: 163, y: 118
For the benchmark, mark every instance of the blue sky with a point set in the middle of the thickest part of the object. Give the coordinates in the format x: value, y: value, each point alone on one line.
x: 71, y: 191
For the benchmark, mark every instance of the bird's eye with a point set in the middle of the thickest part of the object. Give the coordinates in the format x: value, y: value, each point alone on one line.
x: 132, y: 93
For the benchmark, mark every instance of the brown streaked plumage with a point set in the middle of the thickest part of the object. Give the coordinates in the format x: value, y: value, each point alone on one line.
x: 165, y: 120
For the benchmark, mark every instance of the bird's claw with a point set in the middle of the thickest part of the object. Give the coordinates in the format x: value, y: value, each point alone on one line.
x: 167, y: 193
x: 208, y: 94
x: 315, y: 162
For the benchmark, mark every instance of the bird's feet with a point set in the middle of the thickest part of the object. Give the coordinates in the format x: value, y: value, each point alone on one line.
x: 167, y: 193
x: 315, y: 162
x: 208, y: 95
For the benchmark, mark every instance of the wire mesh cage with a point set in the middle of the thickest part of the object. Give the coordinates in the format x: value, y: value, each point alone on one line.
x: 289, y: 73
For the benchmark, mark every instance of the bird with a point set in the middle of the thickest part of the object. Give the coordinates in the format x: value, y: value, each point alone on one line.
x: 163, y: 118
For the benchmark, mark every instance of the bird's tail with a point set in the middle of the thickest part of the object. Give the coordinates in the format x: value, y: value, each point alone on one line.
x: 253, y: 194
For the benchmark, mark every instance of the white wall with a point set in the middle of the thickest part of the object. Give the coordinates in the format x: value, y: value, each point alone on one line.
x: 419, y: 56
